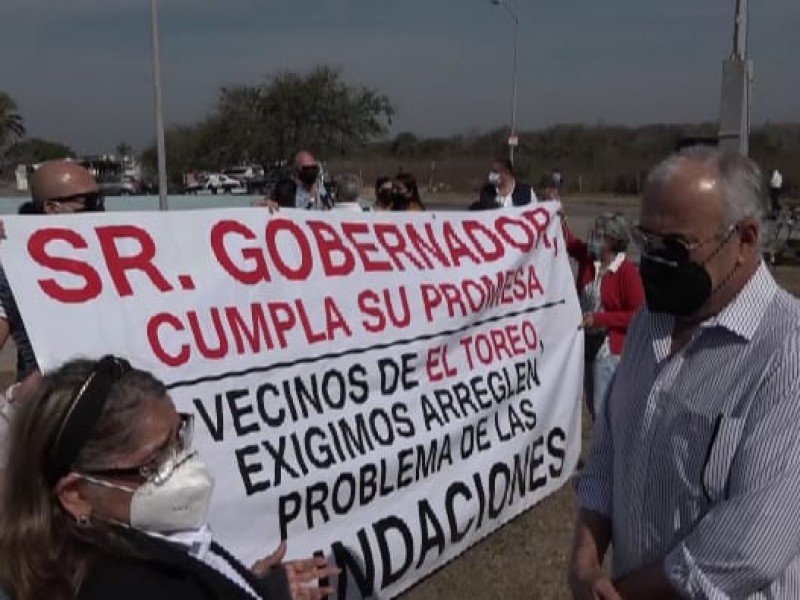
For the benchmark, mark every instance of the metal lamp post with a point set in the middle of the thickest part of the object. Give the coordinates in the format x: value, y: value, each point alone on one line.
x: 160, y: 141
x: 512, y: 140
x: 737, y: 82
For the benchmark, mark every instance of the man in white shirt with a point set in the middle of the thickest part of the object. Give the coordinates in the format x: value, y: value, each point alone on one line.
x: 510, y: 191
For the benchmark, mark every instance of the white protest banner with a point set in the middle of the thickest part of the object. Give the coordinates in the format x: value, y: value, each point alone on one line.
x: 379, y: 388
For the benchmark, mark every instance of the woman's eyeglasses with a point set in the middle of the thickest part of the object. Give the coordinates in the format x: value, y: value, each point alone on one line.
x: 161, y: 468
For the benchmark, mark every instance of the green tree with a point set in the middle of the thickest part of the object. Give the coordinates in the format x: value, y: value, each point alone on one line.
x: 317, y: 110
x: 270, y: 121
x: 35, y: 150
x: 12, y: 126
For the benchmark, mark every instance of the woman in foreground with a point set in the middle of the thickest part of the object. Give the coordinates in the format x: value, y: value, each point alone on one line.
x: 106, y: 498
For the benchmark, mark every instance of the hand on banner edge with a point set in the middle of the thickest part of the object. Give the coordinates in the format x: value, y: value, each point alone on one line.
x: 266, y: 564
x: 299, y: 573
x: 270, y: 205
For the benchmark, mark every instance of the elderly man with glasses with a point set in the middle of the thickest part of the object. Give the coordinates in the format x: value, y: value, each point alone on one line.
x: 694, y: 471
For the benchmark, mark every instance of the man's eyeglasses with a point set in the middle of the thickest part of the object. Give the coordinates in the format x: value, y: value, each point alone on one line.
x: 161, y: 468
x: 674, y: 246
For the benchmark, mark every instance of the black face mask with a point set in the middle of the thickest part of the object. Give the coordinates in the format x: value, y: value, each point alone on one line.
x: 384, y: 196
x: 677, y: 288
x: 308, y: 175
x: 676, y: 285
x: 400, y: 201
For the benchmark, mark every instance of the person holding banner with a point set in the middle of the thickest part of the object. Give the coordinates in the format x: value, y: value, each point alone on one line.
x: 405, y: 194
x: 694, y: 470
x: 57, y: 187
x: 510, y: 190
x: 348, y: 198
x: 311, y: 193
x: 383, y: 194
x: 610, y: 292
x: 107, y: 498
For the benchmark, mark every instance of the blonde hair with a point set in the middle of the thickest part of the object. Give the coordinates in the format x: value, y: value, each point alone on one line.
x: 44, y: 553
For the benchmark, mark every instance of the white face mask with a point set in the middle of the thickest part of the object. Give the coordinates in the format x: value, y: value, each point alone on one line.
x: 180, y: 503
x: 494, y: 178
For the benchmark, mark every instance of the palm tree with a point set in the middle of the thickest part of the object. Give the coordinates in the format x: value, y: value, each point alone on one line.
x: 11, y: 126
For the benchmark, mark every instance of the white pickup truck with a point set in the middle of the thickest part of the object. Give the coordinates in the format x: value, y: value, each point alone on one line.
x: 217, y: 183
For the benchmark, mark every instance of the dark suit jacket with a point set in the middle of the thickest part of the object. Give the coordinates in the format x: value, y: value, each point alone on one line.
x: 164, y: 571
x: 521, y: 195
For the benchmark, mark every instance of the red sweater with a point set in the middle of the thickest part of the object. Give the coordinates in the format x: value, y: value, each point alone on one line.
x: 621, y: 292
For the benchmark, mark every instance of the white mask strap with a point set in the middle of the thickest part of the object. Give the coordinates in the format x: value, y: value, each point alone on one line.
x: 107, y: 484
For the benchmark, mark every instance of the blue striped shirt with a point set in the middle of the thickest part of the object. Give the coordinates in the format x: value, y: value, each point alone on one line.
x: 697, y: 459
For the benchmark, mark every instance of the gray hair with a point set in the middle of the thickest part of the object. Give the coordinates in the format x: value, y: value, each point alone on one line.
x: 614, y: 226
x: 742, y: 183
x: 349, y: 188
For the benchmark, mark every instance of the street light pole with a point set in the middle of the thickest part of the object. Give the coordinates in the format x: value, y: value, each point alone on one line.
x: 507, y: 6
x: 160, y: 140
x: 737, y: 83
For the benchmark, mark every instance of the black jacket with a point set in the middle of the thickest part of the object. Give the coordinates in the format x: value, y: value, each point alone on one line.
x: 522, y: 194
x: 165, y: 571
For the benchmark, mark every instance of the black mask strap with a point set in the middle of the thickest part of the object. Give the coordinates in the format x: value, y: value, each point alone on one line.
x: 84, y: 411
x: 722, y: 243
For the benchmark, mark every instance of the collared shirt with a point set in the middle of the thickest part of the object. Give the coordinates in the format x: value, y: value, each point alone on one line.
x: 508, y: 201
x: 316, y: 199
x: 696, y: 461
x: 304, y: 200
x: 592, y: 302
x: 347, y: 207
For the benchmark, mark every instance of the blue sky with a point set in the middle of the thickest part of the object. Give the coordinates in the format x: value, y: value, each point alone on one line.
x: 80, y: 69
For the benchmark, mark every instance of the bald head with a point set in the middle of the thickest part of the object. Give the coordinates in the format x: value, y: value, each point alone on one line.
x: 60, y: 184
x: 307, y: 171
x: 701, y: 218
x: 304, y: 158
x: 713, y: 175
x: 684, y: 199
